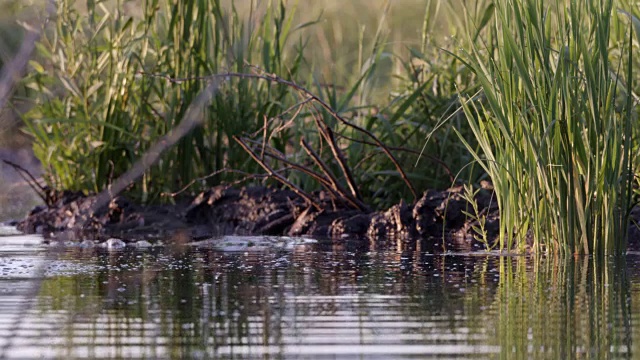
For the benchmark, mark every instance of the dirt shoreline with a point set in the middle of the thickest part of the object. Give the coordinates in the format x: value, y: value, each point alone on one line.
x: 259, y: 210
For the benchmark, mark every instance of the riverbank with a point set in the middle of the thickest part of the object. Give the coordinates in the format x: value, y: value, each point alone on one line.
x: 259, y: 210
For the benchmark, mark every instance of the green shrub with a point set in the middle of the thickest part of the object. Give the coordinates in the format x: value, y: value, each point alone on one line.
x: 110, y: 85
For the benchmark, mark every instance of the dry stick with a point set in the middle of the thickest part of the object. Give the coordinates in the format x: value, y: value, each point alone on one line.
x: 184, y: 188
x: 192, y: 118
x: 298, y: 108
x: 268, y: 147
x: 326, y: 183
x: 332, y: 181
x: 264, y: 136
x: 335, y: 194
x: 9, y: 75
x: 399, y: 148
x: 274, y: 78
x: 357, y: 203
x: 12, y: 71
x: 327, y: 134
x: 30, y: 180
x: 277, y: 155
x: 276, y: 175
x: 247, y: 176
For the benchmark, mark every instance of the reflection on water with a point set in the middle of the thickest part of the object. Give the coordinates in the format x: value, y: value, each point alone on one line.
x: 322, y: 299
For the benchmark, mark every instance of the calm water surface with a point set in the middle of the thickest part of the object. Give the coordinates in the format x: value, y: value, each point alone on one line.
x: 328, y: 299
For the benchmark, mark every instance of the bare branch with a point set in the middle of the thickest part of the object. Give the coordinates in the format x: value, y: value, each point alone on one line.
x: 419, y: 153
x: 355, y: 202
x: 276, y: 175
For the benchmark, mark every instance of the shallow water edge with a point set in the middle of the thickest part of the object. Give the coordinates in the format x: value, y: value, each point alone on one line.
x: 318, y: 299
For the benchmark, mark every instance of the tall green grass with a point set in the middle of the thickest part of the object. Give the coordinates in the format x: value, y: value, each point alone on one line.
x: 554, y: 123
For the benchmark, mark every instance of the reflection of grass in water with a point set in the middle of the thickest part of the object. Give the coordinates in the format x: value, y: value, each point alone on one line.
x: 562, y: 308
x: 540, y: 308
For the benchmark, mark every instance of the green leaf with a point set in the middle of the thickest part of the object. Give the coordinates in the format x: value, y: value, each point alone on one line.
x: 634, y: 20
x: 488, y: 13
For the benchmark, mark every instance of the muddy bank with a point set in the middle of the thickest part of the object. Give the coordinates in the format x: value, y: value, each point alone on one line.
x: 224, y: 210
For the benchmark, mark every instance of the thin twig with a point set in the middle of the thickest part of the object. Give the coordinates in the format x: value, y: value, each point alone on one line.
x: 9, y: 75
x: 296, y: 106
x: 290, y: 121
x: 331, y: 185
x: 217, y: 172
x: 357, y: 203
x: 184, y: 188
x: 276, y: 175
x: 12, y: 71
x: 264, y: 136
x: 327, y: 134
x: 416, y: 152
x: 326, y: 183
x: 40, y: 190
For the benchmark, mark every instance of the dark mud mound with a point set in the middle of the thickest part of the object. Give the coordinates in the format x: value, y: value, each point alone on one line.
x: 258, y: 210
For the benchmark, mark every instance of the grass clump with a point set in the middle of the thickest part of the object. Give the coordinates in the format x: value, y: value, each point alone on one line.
x: 553, y: 123
x: 109, y: 85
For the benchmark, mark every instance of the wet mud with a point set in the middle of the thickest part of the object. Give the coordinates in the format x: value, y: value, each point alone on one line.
x: 259, y: 210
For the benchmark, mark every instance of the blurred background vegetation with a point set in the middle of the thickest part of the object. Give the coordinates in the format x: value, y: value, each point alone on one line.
x: 13, y: 13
